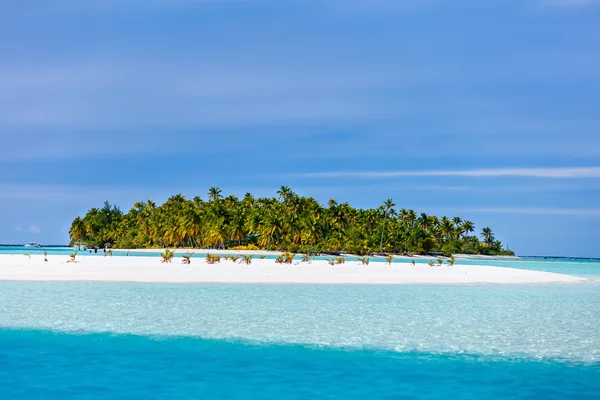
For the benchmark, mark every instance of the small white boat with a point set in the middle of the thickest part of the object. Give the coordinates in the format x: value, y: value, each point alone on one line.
x: 33, y: 244
x: 80, y: 246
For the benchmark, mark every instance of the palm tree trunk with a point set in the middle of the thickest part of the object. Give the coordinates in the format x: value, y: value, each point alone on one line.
x: 382, y: 231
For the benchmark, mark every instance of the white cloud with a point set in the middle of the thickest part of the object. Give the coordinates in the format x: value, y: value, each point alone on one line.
x: 34, y: 229
x: 576, y: 172
x: 573, y: 2
x: 582, y: 212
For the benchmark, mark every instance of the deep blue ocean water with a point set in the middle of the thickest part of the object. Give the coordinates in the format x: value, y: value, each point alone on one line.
x: 97, y: 340
x: 42, y: 364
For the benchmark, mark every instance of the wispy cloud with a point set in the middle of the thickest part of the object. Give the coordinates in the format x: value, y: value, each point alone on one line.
x: 576, y: 172
x: 572, y: 2
x: 34, y: 229
x: 581, y: 212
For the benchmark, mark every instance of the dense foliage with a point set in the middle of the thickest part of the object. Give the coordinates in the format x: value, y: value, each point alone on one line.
x: 289, y: 222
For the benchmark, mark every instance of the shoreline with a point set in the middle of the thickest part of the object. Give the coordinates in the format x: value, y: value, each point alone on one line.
x: 145, y: 270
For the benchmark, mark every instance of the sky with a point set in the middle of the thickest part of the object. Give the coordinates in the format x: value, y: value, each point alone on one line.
x: 487, y: 110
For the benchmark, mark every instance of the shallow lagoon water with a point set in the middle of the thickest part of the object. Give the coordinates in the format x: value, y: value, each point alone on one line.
x: 127, y: 340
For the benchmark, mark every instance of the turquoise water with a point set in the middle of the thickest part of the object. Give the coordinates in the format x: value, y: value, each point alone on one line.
x: 128, y: 340
x: 40, y: 364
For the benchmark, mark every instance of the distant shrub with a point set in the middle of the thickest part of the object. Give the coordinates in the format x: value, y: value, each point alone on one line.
x: 453, y: 247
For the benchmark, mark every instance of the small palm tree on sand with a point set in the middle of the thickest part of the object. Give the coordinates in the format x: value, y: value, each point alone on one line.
x: 212, y: 259
x: 246, y: 260
x: 431, y: 263
x: 451, y: 261
x: 72, y: 257
x: 412, y: 262
x: 167, y: 256
x: 440, y: 261
x: 389, y: 259
x: 45, y: 255
x: 288, y: 257
x: 187, y: 258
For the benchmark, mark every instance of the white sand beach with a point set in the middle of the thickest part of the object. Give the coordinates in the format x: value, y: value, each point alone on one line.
x: 150, y: 269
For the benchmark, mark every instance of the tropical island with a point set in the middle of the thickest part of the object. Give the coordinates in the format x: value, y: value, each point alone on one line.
x: 288, y: 222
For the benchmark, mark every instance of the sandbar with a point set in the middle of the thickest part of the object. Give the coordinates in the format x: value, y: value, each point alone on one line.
x: 151, y: 270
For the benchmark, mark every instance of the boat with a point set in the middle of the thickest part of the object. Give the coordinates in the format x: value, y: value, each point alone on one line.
x: 33, y: 244
x: 80, y: 246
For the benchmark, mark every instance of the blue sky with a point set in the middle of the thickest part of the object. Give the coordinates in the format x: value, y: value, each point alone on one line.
x: 485, y: 110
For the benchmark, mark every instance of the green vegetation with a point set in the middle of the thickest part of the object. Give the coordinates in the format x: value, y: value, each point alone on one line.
x: 187, y: 258
x: 389, y: 258
x: 212, y: 259
x: 246, y: 260
x: 339, y: 260
x: 288, y: 257
x: 167, y: 256
x: 288, y: 223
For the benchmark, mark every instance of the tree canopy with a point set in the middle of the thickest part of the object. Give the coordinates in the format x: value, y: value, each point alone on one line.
x: 287, y: 222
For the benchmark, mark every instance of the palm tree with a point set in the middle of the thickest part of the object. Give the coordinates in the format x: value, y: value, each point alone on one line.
x: 487, y: 236
x: 467, y: 227
x: 388, y: 210
x: 285, y: 193
x: 77, y: 230
x: 284, y: 222
x: 214, y: 194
